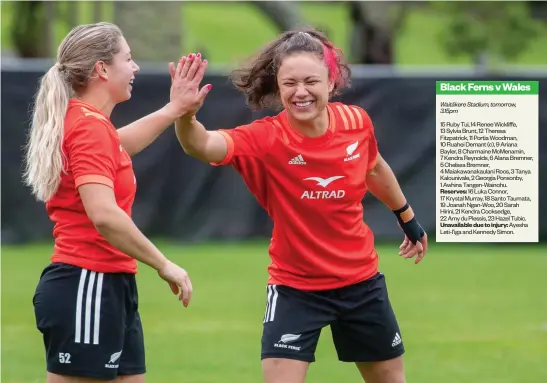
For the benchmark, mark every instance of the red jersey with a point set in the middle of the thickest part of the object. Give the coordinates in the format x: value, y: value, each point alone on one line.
x: 93, y: 154
x: 312, y: 188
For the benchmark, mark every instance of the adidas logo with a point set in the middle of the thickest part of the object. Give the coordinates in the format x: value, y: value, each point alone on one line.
x: 298, y: 160
x: 397, y: 340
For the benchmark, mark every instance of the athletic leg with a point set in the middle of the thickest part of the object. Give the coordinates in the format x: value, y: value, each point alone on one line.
x: 278, y: 370
x: 292, y: 326
x: 54, y: 378
x: 130, y: 378
x: 387, y: 371
x: 367, y: 332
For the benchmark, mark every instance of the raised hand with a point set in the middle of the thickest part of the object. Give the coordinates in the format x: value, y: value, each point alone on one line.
x: 186, y: 96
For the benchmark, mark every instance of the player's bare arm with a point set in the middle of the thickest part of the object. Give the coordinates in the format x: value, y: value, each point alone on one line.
x: 383, y: 184
x: 120, y: 230
x: 141, y: 133
x: 196, y: 141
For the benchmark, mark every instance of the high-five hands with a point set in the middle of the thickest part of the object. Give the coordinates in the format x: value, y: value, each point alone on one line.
x: 186, y: 77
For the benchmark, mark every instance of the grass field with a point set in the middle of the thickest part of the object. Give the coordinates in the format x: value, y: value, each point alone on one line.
x: 468, y: 313
x: 223, y: 28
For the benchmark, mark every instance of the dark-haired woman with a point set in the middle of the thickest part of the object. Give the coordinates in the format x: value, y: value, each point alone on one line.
x: 309, y: 167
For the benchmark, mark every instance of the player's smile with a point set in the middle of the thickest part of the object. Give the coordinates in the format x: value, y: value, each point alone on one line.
x: 303, y: 85
x: 303, y: 105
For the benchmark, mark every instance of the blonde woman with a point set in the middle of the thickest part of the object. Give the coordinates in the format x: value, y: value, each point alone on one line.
x: 80, y: 166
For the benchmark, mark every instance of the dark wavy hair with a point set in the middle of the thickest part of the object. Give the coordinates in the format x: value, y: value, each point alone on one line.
x: 257, y: 78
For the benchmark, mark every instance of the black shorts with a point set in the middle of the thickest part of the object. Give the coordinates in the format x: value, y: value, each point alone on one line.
x: 362, y: 321
x: 90, y: 322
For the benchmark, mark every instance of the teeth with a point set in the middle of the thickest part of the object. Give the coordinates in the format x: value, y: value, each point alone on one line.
x: 303, y: 104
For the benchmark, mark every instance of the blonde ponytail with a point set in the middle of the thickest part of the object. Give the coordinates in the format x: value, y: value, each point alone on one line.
x: 44, y: 155
x: 84, y: 46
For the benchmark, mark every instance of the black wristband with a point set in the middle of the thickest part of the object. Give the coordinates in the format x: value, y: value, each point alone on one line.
x: 412, y: 229
x: 401, y: 210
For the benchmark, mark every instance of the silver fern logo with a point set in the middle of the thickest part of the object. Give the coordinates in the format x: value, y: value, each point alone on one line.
x: 114, y: 357
x: 289, y: 338
x: 349, y: 151
x: 351, y: 148
x: 286, y: 339
x: 113, y: 362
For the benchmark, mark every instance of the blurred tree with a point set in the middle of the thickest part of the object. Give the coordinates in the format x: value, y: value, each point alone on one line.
x: 500, y: 30
x: 538, y: 10
x: 30, y: 32
x: 284, y: 14
x: 71, y: 13
x: 375, y: 25
x: 153, y: 28
x: 97, y: 11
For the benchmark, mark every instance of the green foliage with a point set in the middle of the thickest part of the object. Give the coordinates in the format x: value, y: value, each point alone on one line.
x: 28, y: 32
x: 499, y: 29
x: 230, y: 31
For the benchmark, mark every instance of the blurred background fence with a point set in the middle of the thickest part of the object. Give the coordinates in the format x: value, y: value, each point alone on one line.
x: 398, y: 50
